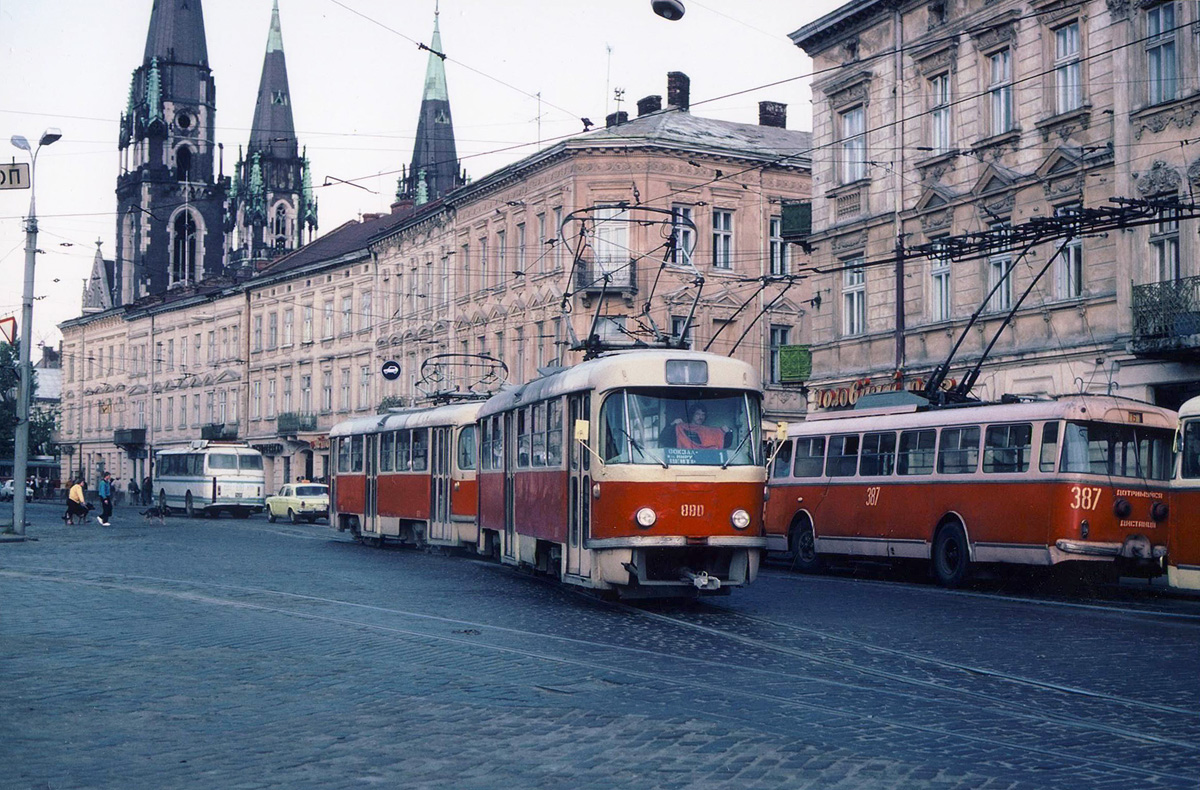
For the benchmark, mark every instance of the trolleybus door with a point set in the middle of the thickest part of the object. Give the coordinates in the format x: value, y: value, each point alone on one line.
x: 370, y: 492
x: 510, y: 525
x: 579, y: 489
x: 440, y: 527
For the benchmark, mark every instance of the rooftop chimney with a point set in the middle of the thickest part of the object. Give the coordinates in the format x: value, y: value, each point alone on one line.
x: 678, y: 90
x: 772, y: 113
x: 616, y: 119
x: 648, y: 105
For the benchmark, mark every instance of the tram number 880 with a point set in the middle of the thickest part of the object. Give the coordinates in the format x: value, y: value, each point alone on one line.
x: 691, y: 511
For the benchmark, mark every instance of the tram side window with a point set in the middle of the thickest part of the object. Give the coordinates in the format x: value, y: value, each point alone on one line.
x: 783, y: 461
x: 524, y: 427
x: 616, y: 441
x: 403, y: 453
x: 1049, y: 447
x: 1007, y: 448
x: 843, y: 456
x: 959, y: 451
x: 420, y: 449
x: 1191, y: 450
x: 387, y: 451
x: 878, y: 454
x: 356, y: 454
x: 554, y: 431
x: 466, y: 449
x: 916, y: 452
x: 343, y: 455
x: 485, y: 445
x: 810, y: 456
x: 539, y: 434
x: 497, y: 442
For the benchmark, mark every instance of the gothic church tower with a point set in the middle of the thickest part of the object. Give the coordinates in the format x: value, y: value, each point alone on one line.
x: 434, y: 170
x: 171, y: 208
x: 271, y: 198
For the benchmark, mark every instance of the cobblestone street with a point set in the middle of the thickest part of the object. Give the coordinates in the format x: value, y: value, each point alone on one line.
x: 239, y: 654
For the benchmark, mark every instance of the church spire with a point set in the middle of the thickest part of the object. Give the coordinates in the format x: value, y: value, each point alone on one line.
x: 269, y: 203
x: 177, y: 33
x: 435, y: 159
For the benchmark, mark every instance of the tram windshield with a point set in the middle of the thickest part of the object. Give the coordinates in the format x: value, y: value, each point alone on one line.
x: 1116, y: 450
x: 677, y: 427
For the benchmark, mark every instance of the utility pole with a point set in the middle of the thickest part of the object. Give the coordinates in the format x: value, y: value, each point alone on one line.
x: 25, y: 387
x: 900, y: 255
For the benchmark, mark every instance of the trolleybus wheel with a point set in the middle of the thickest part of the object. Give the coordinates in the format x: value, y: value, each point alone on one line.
x: 187, y: 505
x: 804, y: 548
x: 951, y: 556
x: 292, y: 516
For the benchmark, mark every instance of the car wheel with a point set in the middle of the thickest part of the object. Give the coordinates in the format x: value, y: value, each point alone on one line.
x: 292, y: 516
x: 270, y: 515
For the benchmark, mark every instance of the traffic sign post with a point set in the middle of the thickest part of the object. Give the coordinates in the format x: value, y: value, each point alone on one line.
x: 15, y: 175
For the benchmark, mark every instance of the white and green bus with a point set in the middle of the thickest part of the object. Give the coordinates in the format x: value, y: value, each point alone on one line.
x: 208, y: 477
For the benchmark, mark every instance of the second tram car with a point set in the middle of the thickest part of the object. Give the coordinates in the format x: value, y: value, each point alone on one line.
x: 1183, y: 549
x: 409, y: 475
x: 638, y: 471
x: 1081, y: 478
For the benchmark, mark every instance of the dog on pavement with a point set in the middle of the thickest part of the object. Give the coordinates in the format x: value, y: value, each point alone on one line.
x: 153, y: 513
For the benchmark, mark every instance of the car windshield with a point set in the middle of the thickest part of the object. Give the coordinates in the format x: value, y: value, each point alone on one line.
x: 680, y: 426
x: 311, y: 491
x: 1117, y: 450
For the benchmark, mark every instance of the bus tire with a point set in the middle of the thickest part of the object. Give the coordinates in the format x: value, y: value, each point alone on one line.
x: 188, y: 509
x: 803, y: 546
x: 951, y: 558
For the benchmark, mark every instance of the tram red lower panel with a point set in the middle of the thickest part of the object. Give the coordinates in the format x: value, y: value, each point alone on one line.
x: 464, y: 501
x: 540, y: 500
x: 404, y: 496
x: 351, y: 493
x: 690, y: 509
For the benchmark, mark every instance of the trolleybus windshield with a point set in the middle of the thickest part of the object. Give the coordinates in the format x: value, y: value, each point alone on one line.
x: 675, y: 426
x: 1115, y: 450
x: 1190, y: 447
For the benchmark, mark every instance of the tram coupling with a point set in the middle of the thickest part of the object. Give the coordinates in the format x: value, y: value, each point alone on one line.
x: 701, y: 580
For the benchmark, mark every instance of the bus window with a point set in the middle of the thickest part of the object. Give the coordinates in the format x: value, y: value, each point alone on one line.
x: 916, y: 452
x: 222, y: 461
x: 1006, y: 448
x: 466, y: 449
x: 1191, y: 450
x: 554, y: 431
x: 420, y: 449
x: 1100, y: 448
x: 1049, y: 447
x: 251, y: 462
x: 387, y: 451
x: 356, y: 453
x: 959, y: 452
x: 810, y: 457
x: 194, y: 465
x: 878, y: 454
x: 843, y: 456
x: 783, y: 461
x: 343, y: 455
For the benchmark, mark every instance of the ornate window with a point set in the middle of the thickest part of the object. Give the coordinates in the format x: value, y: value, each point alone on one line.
x: 1164, y: 246
x: 852, y: 133
x: 1068, y: 272
x: 940, y: 301
x: 722, y: 238
x: 1000, y: 91
x: 778, y: 249
x: 1161, y: 76
x: 939, y: 113
x: 1068, y: 82
x: 183, y: 248
x: 854, y: 298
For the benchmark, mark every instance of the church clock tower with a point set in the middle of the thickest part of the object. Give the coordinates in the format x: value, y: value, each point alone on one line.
x: 170, y: 207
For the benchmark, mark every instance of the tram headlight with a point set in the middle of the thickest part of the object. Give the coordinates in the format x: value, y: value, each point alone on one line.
x: 740, y: 519
x: 1159, y: 511
x: 646, y: 517
x: 1122, y: 508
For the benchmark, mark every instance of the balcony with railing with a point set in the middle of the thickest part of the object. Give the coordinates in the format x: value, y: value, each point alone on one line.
x: 616, y: 275
x: 1166, y: 318
x: 292, y: 423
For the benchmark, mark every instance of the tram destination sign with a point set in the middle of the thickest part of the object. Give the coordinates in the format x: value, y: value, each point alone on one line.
x: 14, y: 175
x: 391, y: 370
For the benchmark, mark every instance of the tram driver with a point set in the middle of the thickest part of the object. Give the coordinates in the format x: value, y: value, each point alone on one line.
x: 695, y: 434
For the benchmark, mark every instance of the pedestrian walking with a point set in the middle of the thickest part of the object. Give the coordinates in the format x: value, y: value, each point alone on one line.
x: 75, y: 503
x: 147, y: 485
x: 134, y: 492
x: 105, y: 490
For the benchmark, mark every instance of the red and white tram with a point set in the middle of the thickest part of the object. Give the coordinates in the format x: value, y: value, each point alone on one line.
x: 1042, y: 482
x: 1183, y: 548
x: 408, y: 475
x: 639, y: 471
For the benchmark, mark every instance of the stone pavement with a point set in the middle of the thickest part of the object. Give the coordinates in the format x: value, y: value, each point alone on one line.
x: 238, y: 654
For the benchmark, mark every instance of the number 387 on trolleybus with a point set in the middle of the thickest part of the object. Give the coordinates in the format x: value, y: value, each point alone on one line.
x: 1077, y: 478
x: 639, y: 472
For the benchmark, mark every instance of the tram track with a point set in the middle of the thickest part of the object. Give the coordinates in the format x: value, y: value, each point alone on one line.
x: 466, y: 635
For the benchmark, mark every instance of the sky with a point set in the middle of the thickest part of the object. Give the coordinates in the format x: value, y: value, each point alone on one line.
x: 356, y: 76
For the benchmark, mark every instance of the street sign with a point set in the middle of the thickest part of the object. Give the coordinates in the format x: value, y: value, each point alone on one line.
x: 14, y: 175
x: 391, y: 370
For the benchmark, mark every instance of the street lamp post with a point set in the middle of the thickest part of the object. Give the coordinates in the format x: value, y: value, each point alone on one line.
x: 25, y: 388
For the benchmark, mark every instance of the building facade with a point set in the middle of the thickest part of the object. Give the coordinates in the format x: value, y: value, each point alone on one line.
x: 935, y: 120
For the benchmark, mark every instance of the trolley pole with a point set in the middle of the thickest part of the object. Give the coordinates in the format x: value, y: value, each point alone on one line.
x: 900, y: 326
x: 25, y: 384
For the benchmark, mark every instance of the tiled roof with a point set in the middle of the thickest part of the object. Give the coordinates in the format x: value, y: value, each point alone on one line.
x: 682, y: 129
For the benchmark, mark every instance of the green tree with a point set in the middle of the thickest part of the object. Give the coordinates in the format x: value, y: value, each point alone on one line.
x: 41, y: 424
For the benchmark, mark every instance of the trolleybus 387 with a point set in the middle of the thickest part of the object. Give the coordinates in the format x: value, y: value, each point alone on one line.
x: 1077, y: 478
x: 1183, y: 549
